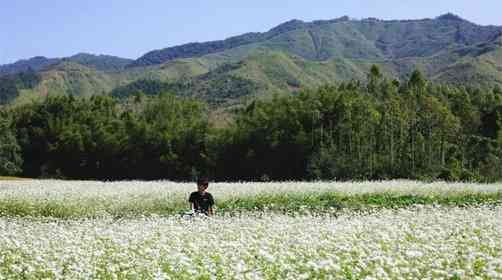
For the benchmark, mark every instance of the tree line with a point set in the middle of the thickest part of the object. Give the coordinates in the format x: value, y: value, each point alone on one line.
x: 377, y: 129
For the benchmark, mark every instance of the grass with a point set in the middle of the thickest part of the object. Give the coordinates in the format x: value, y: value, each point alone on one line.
x: 332, y: 202
x: 9, y: 178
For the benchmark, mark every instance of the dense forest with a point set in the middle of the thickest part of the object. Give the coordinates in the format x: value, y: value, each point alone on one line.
x: 378, y: 129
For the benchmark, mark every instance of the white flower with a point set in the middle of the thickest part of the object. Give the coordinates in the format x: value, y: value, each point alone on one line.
x: 428, y: 242
x: 414, y: 254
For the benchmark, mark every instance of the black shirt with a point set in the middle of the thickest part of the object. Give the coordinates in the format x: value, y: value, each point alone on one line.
x: 202, y: 202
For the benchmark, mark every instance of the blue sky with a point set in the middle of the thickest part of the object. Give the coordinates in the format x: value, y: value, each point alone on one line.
x: 129, y: 28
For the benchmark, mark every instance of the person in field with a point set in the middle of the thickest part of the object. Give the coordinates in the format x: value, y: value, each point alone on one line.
x: 202, y: 201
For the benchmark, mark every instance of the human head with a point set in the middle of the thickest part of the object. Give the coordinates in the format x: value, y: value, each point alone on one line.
x: 202, y: 184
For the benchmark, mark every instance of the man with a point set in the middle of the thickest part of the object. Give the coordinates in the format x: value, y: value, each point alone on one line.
x: 201, y: 201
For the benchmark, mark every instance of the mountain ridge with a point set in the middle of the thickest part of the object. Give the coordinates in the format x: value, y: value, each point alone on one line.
x: 39, y: 63
x: 292, y: 55
x: 234, y: 41
x: 163, y: 55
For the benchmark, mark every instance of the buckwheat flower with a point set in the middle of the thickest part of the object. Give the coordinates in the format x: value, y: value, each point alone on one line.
x: 494, y: 274
x: 414, y: 254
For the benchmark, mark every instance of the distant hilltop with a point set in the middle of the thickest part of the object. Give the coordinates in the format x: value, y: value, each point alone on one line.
x: 294, y: 54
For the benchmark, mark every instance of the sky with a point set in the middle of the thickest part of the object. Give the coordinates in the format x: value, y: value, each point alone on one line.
x: 130, y: 28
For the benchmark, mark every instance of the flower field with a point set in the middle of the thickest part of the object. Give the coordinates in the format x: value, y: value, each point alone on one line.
x: 444, y: 231
x: 74, y: 199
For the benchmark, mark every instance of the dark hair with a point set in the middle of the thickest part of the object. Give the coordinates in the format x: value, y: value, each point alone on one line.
x: 202, y: 181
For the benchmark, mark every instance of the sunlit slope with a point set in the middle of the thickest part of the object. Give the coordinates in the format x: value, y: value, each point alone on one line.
x: 262, y: 73
x: 366, y: 39
x: 68, y: 78
x: 485, y: 69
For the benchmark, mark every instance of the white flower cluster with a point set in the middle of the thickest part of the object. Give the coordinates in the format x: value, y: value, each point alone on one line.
x: 426, y: 242
x: 115, y: 193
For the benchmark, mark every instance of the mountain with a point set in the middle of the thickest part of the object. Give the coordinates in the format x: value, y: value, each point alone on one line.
x: 201, y: 49
x: 353, y: 39
x: 259, y: 74
x: 38, y: 63
x: 100, y: 62
x: 292, y: 55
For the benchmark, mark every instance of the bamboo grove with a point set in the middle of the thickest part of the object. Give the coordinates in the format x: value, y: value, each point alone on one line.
x: 377, y: 129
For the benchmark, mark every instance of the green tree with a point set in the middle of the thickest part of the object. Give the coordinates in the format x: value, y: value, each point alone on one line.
x: 10, y: 157
x: 417, y: 81
x: 374, y: 78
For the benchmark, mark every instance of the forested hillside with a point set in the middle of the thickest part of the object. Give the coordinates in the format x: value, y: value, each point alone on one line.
x: 336, y: 99
x: 292, y: 56
x: 379, y: 129
x: 99, y: 62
